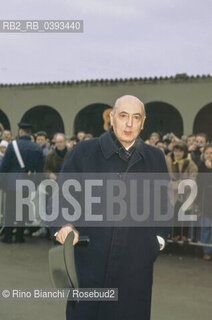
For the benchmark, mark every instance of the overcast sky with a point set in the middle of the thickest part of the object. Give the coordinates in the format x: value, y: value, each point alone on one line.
x: 121, y: 39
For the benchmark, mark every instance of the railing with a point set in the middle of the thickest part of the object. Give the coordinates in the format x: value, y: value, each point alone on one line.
x: 195, y: 234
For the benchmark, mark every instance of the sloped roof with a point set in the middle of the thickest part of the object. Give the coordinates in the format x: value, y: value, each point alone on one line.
x: 181, y: 77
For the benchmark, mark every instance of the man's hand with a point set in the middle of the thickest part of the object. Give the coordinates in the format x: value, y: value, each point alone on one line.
x: 64, y: 231
x: 192, y: 147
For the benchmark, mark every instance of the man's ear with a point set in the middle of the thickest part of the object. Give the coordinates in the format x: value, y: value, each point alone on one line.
x: 142, y: 124
x: 111, y: 118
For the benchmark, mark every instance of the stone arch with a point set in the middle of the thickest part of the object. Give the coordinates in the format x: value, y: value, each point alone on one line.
x: 90, y: 119
x: 162, y: 117
x: 203, y: 120
x: 44, y: 118
x: 4, y: 120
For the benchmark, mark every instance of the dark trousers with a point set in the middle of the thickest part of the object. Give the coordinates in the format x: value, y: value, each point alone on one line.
x: 10, y: 217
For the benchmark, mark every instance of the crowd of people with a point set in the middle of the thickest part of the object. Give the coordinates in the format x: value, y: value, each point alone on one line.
x: 191, y: 158
x: 41, y: 155
x: 185, y: 156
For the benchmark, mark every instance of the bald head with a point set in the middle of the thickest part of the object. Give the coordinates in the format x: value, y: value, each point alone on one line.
x: 60, y: 141
x: 127, y: 119
x: 129, y: 99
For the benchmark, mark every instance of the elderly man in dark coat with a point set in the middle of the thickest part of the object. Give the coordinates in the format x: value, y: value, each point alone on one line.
x: 117, y: 257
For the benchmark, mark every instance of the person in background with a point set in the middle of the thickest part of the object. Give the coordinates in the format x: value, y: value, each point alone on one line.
x: 154, y: 137
x: 160, y: 144
x: 7, y: 135
x: 3, y: 148
x: 33, y: 160
x: 204, y: 182
x: 191, y: 142
x: 80, y: 135
x: 41, y: 140
x: 170, y: 139
x: 200, y: 142
x: 167, y: 143
x: 52, y: 165
x: 49, y: 145
x: 72, y: 142
x: 180, y: 167
x: 56, y: 157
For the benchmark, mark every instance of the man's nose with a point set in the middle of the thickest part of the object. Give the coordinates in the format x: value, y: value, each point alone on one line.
x: 129, y: 121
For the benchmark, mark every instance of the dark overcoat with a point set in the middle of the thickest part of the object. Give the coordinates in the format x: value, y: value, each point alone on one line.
x: 11, y: 171
x: 119, y: 257
x: 33, y: 159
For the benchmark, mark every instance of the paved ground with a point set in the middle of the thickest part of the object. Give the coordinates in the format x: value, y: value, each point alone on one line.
x: 182, y: 284
x: 182, y: 288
